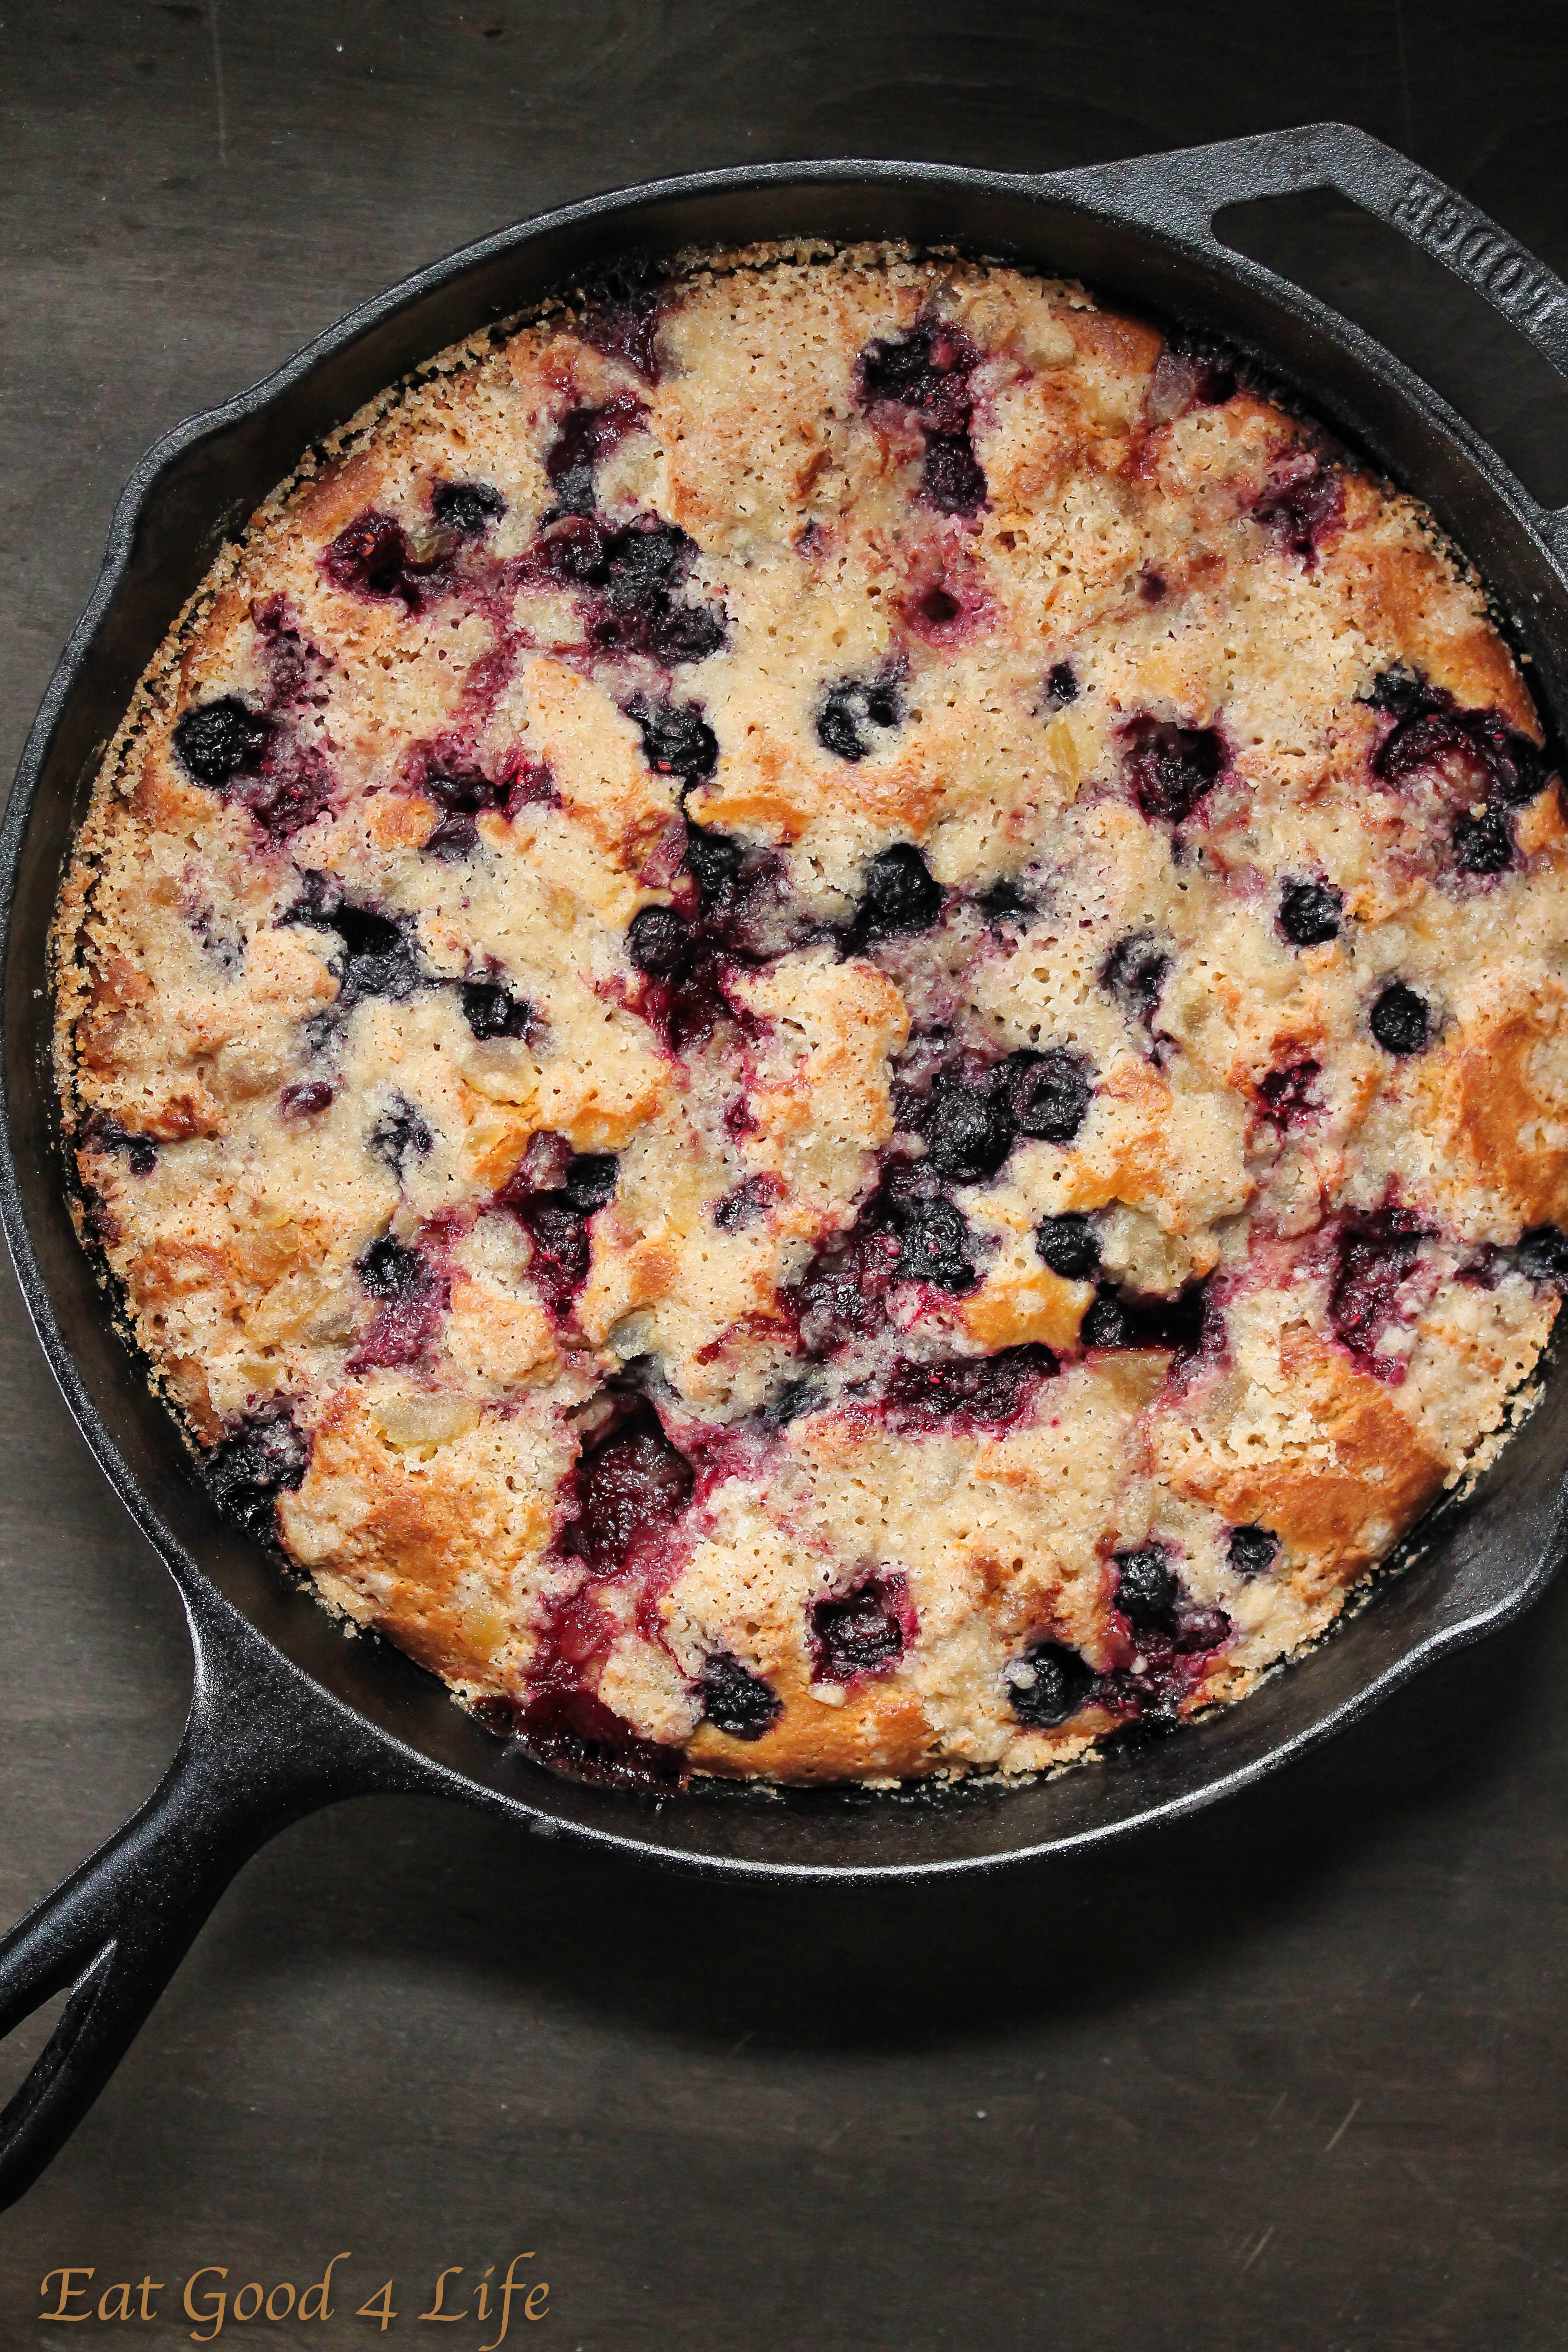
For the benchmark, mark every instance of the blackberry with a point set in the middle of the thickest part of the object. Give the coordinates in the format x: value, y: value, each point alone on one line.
x: 967, y: 1130
x: 266, y: 1455
x: 216, y: 742
x: 468, y: 508
x: 1253, y: 1550
x: 899, y: 896
x: 676, y: 740
x: 1147, y: 1588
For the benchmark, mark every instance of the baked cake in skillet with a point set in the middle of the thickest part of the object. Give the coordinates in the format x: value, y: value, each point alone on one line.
x: 816, y: 1023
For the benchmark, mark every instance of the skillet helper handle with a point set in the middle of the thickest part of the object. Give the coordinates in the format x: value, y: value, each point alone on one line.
x: 1184, y: 190
x: 261, y: 1749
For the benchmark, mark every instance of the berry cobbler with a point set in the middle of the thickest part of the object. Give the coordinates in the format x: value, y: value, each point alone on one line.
x: 818, y: 1021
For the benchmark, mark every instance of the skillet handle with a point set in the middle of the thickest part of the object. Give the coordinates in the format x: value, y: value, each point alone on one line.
x: 262, y: 1748
x: 1183, y: 191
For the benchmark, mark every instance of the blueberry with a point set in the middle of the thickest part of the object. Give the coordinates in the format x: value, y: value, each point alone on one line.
x: 1048, y: 1093
x: 745, y: 1205
x: 1004, y: 902
x: 400, y: 1132
x: 625, y: 327
x: 1253, y: 1550
x: 659, y: 941
x: 1400, y: 1020
x: 951, y: 478
x: 585, y: 437
x: 676, y: 740
x: 1147, y: 1589
x: 389, y: 1271
x: 590, y: 1181
x: 899, y: 896
x: 1134, y: 973
x: 491, y: 1012
x: 216, y: 742
x: 934, y: 1245
x: 1171, y: 767
x: 861, y: 1633
x: 850, y: 707
x: 1069, y: 1247
x: 1543, y: 1255
x: 470, y: 508
x: 796, y: 1398
x: 264, y: 1456
x: 102, y: 1133
x: 377, y: 960
x: 1310, y: 913
x: 735, y: 1701
x: 714, y: 860
x: 1046, y: 1684
x: 1109, y: 1322
x: 967, y: 1130
x: 1061, y: 685
x: 1484, y: 843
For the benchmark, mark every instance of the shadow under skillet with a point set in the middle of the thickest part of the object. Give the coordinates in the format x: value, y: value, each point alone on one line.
x: 837, y: 1968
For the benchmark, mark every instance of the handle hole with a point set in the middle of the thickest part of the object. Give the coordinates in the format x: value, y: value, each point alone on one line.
x: 25, y: 2044
x: 1481, y: 364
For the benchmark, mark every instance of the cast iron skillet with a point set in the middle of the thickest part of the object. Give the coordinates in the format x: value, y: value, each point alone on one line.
x: 286, y: 1714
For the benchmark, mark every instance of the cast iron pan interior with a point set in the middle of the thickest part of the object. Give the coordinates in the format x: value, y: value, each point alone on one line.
x: 287, y: 1713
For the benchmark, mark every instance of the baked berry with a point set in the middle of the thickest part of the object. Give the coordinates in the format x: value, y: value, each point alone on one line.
x: 967, y: 1130
x: 98, y: 1132
x: 745, y: 1205
x: 289, y: 791
x: 1116, y: 1319
x: 625, y: 327
x: 1301, y: 504
x: 631, y: 582
x: 713, y: 860
x: 467, y: 507
x: 1045, y: 1684
x: 1171, y: 768
x: 1374, y: 1257
x: 585, y: 438
x: 790, y: 1403
x: 216, y: 742
x: 401, y: 1133
x: 589, y: 1182
x: 1134, y: 973
x: 862, y: 1632
x: 633, y: 1486
x: 986, y: 1392
x: 676, y: 740
x: 848, y: 709
x: 1400, y: 1020
x: 1147, y: 1587
x: 934, y: 1245
x: 660, y: 941
x: 491, y: 1012
x: 377, y: 960
x: 307, y: 1099
x: 1285, y: 1096
x: 951, y: 478
x: 1069, y: 1246
x: 1004, y: 903
x: 899, y: 896
x: 389, y: 1270
x: 1047, y: 1093
x: 1061, y: 685
x: 735, y: 1700
x: 1543, y: 1255
x: 372, y: 558
x: 1310, y: 913
x: 926, y: 370
x: 267, y: 1454
x: 1484, y: 843
x: 1252, y: 1551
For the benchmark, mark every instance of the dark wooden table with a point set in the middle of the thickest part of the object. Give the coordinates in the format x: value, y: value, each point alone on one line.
x: 1291, y: 2075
